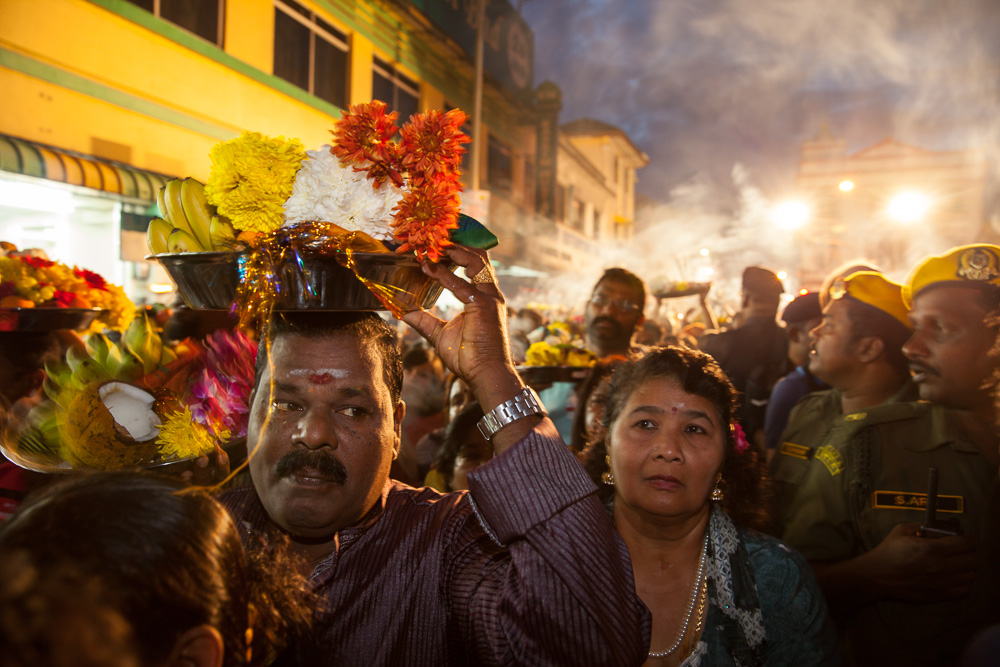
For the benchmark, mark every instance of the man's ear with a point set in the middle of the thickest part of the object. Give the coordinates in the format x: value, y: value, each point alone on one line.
x: 200, y: 646
x: 870, y: 348
x: 397, y: 419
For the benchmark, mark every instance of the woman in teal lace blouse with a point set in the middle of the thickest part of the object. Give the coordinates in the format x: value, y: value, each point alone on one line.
x: 684, y: 489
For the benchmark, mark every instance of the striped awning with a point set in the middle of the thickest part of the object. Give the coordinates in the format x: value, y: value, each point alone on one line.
x: 33, y: 159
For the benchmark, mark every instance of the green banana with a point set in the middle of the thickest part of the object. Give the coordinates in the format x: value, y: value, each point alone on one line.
x: 156, y: 235
x: 88, y: 371
x: 75, y: 359
x: 113, y: 361
x: 173, y: 211
x: 222, y: 233
x: 57, y: 393
x: 97, y: 347
x: 142, y: 340
x: 197, y: 211
x: 182, y: 241
x: 167, y: 355
x: 132, y: 367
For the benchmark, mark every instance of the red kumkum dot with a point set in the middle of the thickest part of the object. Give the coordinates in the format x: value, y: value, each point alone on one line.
x: 321, y: 378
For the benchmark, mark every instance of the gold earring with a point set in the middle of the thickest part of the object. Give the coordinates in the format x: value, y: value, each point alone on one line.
x: 608, y: 477
x: 717, y: 494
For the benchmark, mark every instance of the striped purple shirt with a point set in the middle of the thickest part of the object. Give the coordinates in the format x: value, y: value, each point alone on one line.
x: 526, y: 568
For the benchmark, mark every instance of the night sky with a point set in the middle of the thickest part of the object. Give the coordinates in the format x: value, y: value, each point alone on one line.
x: 703, y: 85
x: 721, y: 93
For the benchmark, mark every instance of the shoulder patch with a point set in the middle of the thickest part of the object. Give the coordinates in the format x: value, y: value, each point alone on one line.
x: 796, y: 451
x: 831, y: 458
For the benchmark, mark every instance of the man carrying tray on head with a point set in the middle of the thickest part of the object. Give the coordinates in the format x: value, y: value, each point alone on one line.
x: 525, y: 568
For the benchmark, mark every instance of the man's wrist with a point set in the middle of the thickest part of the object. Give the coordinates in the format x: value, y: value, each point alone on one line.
x: 522, y: 405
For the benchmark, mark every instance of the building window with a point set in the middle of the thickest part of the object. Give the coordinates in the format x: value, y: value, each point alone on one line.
x: 310, y: 53
x: 576, y: 214
x: 202, y: 17
x: 499, y: 169
x: 561, y: 203
x: 399, y: 92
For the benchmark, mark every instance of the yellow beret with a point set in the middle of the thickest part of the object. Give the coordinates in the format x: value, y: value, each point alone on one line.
x: 976, y: 264
x: 874, y: 289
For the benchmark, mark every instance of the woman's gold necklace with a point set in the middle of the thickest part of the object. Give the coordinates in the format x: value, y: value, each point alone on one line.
x: 696, y: 594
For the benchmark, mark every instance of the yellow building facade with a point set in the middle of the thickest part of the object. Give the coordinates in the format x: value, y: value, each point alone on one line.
x: 104, y: 100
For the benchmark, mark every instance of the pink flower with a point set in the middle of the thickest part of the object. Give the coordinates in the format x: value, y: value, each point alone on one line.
x: 740, y: 439
x: 220, y: 394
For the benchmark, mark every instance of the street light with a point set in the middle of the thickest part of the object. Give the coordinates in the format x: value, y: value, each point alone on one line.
x: 908, y: 207
x: 791, y: 215
x: 782, y: 275
x: 846, y: 186
x: 703, y: 252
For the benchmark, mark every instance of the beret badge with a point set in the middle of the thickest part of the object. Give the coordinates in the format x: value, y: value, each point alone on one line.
x: 978, y: 264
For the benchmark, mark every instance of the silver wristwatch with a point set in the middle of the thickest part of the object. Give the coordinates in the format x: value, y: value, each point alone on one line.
x: 524, y: 404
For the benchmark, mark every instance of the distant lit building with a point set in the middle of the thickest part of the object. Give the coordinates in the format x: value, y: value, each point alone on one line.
x: 891, y: 203
x: 594, y: 198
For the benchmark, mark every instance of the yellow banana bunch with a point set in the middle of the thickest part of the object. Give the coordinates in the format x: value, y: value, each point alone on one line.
x: 187, y: 222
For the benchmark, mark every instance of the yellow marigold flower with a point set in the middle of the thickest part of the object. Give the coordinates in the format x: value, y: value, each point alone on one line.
x: 251, y: 178
x: 183, y: 438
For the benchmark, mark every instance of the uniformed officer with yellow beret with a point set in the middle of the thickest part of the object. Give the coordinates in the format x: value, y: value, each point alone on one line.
x: 857, y: 350
x: 901, y: 598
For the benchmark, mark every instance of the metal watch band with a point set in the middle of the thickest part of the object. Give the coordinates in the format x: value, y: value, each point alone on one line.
x: 524, y: 404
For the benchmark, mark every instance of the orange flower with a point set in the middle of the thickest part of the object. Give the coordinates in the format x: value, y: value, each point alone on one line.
x: 432, y: 142
x: 426, y: 214
x: 363, y: 138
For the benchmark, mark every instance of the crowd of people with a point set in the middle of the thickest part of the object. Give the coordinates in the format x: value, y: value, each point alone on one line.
x: 817, y: 485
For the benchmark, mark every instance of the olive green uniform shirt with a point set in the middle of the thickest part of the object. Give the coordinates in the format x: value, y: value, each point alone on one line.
x: 871, y: 476
x: 815, y: 422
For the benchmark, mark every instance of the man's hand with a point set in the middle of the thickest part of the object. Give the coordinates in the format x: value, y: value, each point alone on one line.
x: 920, y: 569
x: 474, y: 344
x: 206, y: 470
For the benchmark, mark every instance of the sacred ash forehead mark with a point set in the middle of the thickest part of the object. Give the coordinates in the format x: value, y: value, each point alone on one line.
x: 320, y: 375
x: 679, y: 406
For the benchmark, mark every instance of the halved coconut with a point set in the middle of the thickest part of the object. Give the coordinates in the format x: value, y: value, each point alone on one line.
x: 112, y: 424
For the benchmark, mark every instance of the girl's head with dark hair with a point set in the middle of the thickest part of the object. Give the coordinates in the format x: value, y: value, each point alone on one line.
x: 167, y: 558
x: 463, y: 450
x: 669, y: 410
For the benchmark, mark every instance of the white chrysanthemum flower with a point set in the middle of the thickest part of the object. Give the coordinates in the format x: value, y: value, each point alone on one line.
x: 326, y: 191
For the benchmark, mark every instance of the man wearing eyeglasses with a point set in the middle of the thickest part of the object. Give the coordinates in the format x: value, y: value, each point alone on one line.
x: 614, y: 312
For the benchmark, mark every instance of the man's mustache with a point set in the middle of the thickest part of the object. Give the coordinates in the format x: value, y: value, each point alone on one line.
x: 921, y: 368
x: 607, y: 320
x: 298, y: 460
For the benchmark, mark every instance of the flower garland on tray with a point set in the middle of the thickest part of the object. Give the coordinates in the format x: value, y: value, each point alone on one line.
x: 368, y: 192
x: 33, y: 280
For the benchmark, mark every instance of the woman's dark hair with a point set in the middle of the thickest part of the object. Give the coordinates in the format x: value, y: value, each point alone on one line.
x: 743, y: 476
x: 454, y: 437
x: 168, y: 558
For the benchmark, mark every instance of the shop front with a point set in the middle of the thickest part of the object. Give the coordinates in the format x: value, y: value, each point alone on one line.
x: 82, y: 210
